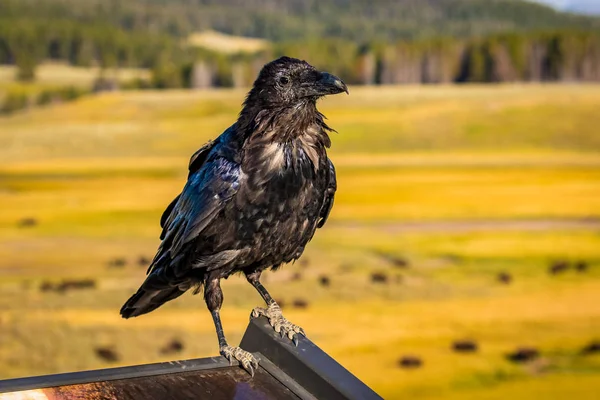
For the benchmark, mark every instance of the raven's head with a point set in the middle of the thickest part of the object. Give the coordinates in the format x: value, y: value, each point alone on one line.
x: 287, y: 81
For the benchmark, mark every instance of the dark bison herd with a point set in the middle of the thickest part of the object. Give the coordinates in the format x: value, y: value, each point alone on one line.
x: 523, y: 354
x: 519, y: 355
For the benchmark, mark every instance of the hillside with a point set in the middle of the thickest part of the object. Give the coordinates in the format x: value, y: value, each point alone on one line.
x: 360, y: 20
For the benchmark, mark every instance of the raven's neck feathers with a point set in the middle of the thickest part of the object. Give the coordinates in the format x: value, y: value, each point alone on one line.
x: 282, y: 123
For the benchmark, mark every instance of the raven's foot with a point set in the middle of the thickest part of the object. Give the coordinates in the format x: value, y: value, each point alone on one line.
x: 278, y: 322
x: 246, y: 359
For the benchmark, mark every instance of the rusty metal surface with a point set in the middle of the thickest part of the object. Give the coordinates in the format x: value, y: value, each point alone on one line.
x: 110, y: 374
x: 223, y: 383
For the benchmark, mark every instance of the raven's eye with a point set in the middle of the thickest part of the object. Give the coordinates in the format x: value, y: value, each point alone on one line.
x: 284, y: 80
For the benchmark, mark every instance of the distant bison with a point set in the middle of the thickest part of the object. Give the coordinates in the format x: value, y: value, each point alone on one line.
x: 591, y: 348
x: 27, y: 222
x: 46, y: 286
x: 78, y: 284
x: 324, y: 281
x: 379, y: 277
x: 410, y: 362
x: 396, y: 261
x: 67, y: 285
x: 174, y: 346
x: 107, y: 354
x: 504, y: 277
x: 558, y: 267
x: 143, y: 261
x: 523, y: 354
x: 118, y: 262
x: 300, y: 303
x: 465, y: 346
x: 581, y: 266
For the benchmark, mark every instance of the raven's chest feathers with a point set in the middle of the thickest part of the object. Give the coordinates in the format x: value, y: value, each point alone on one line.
x: 284, y: 159
x: 285, y: 166
x: 282, y: 192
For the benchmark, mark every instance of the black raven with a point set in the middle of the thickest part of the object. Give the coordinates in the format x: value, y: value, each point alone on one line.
x: 253, y: 199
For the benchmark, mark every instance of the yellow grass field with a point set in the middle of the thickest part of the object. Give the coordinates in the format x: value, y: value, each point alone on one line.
x: 56, y: 75
x: 462, y: 183
x: 62, y: 74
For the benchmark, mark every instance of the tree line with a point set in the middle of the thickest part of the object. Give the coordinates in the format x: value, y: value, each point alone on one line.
x: 552, y: 56
x: 26, y: 43
x: 364, y: 41
x: 546, y: 57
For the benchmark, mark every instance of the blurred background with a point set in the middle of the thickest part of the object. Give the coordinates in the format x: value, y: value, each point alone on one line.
x: 462, y: 257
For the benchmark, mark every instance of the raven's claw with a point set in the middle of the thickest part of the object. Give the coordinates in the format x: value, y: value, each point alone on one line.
x: 279, y: 323
x: 246, y: 359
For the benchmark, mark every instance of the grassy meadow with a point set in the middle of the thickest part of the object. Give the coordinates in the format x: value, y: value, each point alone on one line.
x: 53, y: 75
x: 441, y: 189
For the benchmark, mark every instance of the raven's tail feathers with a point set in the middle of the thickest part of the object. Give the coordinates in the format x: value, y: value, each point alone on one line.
x: 146, y: 300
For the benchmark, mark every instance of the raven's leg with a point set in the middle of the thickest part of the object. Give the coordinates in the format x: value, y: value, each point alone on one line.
x: 273, y: 311
x: 214, y: 299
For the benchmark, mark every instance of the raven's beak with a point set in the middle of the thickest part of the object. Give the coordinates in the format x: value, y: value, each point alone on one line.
x: 330, y: 84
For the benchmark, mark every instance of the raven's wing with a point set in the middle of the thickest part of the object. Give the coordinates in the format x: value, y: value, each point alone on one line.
x: 208, y: 190
x: 329, y: 196
x: 206, y: 193
x: 196, y: 162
